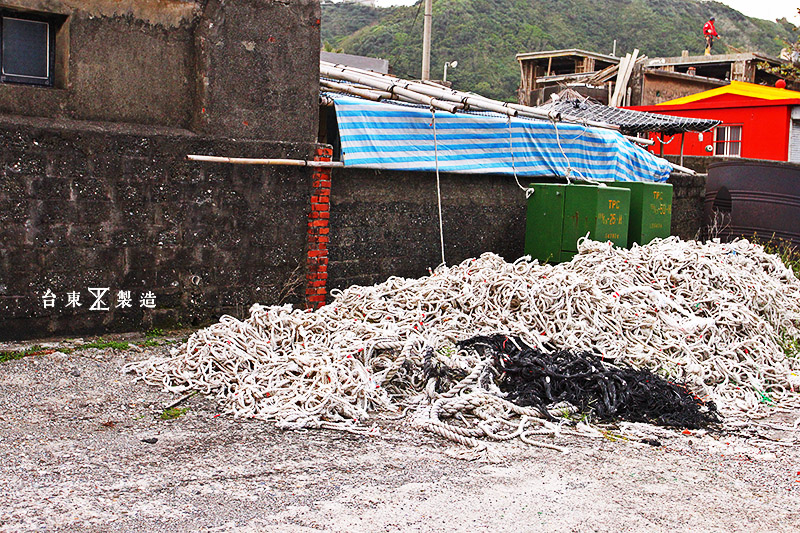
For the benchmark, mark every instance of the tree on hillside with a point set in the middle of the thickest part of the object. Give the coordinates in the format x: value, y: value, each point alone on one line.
x: 790, y: 69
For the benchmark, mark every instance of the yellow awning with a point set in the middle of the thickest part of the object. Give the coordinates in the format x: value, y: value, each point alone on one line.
x: 739, y: 88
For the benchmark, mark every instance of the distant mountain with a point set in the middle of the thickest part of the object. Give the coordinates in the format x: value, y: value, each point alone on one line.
x: 485, y: 35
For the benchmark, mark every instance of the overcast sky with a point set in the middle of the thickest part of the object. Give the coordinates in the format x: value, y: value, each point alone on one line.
x: 764, y: 9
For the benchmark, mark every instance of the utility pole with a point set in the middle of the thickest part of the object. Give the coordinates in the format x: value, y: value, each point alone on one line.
x: 426, y: 40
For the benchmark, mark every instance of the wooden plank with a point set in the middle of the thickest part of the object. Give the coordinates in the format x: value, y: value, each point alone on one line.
x: 605, y: 74
x: 623, y: 65
x: 624, y: 77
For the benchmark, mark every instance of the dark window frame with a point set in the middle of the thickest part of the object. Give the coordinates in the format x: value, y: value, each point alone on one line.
x: 53, y: 24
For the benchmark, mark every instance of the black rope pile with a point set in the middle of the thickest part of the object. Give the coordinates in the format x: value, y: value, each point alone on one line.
x: 532, y: 378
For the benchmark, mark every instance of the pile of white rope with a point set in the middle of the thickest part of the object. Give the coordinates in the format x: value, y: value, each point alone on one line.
x: 710, y: 314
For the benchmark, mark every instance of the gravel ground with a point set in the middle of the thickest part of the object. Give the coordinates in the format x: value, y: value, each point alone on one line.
x: 84, y: 449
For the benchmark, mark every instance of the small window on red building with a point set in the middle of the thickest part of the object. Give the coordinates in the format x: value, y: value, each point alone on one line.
x: 728, y: 140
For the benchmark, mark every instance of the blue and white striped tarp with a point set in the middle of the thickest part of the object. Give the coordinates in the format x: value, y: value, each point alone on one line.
x: 399, y: 137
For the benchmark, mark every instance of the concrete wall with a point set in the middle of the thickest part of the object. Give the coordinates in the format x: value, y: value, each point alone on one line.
x: 95, y: 188
x: 258, y: 69
x: 688, y: 195
x: 385, y: 223
x: 116, y: 68
x: 86, y: 207
x: 92, y: 208
x: 240, y: 69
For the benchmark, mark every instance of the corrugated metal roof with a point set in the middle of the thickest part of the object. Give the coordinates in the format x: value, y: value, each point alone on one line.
x: 738, y: 88
x: 629, y: 121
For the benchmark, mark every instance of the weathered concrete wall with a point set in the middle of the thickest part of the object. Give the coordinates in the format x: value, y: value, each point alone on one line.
x: 688, y: 195
x: 385, y: 223
x: 245, y: 69
x: 85, y: 206
x: 258, y: 69
x: 95, y: 188
x: 131, y: 63
x: 700, y: 164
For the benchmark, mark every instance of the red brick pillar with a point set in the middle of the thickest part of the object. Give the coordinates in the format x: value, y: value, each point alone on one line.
x: 318, y: 217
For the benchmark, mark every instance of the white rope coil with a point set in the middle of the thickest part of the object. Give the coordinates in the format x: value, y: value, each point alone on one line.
x: 710, y: 314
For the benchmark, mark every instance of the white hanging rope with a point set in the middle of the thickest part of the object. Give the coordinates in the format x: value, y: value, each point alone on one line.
x: 661, y: 138
x: 563, y: 153
x: 438, y: 183
x: 571, y: 170
x: 711, y: 314
x: 528, y: 190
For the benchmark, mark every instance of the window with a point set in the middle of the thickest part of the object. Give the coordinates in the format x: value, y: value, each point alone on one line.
x: 27, y: 48
x: 728, y: 140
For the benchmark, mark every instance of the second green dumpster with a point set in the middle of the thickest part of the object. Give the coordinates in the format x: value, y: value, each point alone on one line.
x: 558, y: 215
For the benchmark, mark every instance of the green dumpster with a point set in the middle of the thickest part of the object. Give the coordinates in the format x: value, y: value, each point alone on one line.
x: 558, y: 215
x: 651, y: 210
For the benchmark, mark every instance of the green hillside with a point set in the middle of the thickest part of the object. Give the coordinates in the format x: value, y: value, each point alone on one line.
x: 485, y: 35
x: 341, y: 20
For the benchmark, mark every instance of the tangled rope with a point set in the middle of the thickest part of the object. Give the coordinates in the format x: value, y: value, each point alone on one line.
x: 531, y: 377
x: 708, y: 314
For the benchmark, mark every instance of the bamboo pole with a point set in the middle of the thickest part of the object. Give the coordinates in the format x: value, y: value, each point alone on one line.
x: 438, y: 96
x: 259, y: 161
x: 372, y: 73
x: 318, y: 164
x: 329, y: 102
x: 338, y: 72
x: 640, y: 140
x: 683, y: 169
x: 358, y: 91
x: 391, y: 84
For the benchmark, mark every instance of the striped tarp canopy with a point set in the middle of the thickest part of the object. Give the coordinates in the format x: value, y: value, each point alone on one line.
x: 403, y: 137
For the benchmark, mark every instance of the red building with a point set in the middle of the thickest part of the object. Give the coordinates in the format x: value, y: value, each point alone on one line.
x: 758, y: 122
